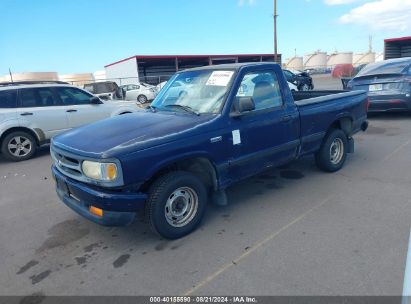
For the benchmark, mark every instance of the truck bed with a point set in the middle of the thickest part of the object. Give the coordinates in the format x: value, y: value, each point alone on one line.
x: 319, y: 109
x: 300, y: 95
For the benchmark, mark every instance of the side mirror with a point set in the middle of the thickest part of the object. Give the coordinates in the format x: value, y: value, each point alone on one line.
x: 243, y: 104
x: 95, y: 100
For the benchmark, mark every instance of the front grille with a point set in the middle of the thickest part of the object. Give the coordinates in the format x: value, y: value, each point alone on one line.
x: 67, y: 163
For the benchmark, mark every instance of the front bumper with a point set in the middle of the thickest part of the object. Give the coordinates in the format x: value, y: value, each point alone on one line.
x: 119, y: 208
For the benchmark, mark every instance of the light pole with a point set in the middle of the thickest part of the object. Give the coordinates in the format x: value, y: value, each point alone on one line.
x: 275, y: 31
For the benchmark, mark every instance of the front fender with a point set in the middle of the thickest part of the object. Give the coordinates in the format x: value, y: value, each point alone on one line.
x: 177, y: 158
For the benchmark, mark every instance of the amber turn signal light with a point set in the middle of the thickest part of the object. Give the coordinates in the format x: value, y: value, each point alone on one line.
x: 96, y: 211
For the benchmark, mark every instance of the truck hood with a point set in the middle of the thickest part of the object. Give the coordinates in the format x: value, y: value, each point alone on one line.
x: 129, y: 133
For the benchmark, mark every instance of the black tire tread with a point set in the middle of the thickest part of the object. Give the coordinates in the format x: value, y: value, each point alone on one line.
x: 155, y: 191
x: 322, y: 156
x: 5, y: 152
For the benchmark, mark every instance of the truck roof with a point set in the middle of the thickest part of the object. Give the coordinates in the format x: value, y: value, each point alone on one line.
x: 233, y: 66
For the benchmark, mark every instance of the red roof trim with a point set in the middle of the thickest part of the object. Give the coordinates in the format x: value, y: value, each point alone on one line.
x: 120, y: 61
x: 186, y: 56
x: 397, y: 39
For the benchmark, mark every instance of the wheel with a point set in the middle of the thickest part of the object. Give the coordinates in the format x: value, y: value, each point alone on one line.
x: 304, y: 87
x: 18, y: 146
x: 176, y: 204
x: 333, y: 151
x: 142, y: 99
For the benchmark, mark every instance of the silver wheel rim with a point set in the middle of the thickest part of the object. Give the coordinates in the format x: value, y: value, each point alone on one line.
x: 141, y: 99
x: 305, y: 87
x: 181, y: 207
x: 336, y: 151
x: 19, y: 146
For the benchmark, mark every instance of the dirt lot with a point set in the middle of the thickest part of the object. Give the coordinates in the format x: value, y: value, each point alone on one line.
x: 289, y: 231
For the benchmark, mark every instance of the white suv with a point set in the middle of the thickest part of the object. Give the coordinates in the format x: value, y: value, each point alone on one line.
x: 32, y: 113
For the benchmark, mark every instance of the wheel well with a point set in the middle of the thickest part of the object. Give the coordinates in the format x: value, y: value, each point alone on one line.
x: 124, y: 113
x: 21, y: 129
x: 345, y: 124
x: 199, y: 166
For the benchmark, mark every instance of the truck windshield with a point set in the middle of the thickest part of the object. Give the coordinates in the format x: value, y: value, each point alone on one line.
x: 199, y: 92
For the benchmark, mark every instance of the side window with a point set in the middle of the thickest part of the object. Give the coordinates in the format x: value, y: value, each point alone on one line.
x: 263, y: 87
x: 8, y: 99
x: 72, y: 96
x: 38, y: 97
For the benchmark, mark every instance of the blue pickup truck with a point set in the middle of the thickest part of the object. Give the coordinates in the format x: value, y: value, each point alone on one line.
x: 208, y: 128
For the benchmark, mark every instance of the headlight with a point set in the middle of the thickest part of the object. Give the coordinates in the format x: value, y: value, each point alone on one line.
x: 99, y: 171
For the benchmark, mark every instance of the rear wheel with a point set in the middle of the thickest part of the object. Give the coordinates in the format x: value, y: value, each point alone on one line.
x: 304, y: 87
x: 18, y: 146
x: 176, y: 204
x: 333, y: 151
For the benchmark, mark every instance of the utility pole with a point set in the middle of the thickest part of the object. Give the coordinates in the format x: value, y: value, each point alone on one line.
x: 11, y: 75
x: 275, y: 31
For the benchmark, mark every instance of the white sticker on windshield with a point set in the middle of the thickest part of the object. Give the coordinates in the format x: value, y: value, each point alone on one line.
x: 219, y: 78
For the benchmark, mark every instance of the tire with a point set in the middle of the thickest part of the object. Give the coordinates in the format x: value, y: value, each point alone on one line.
x: 18, y: 146
x: 171, y: 191
x: 304, y: 87
x: 333, y: 151
x: 141, y: 99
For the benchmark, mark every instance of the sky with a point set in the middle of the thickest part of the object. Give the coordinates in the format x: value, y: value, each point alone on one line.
x: 80, y: 36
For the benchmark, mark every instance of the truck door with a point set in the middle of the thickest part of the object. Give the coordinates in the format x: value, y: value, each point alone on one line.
x: 268, y: 135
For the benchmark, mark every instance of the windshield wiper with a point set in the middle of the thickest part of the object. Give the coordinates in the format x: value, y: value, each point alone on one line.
x: 185, y: 108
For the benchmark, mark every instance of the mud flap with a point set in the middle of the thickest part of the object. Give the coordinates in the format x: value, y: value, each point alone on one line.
x: 350, y: 144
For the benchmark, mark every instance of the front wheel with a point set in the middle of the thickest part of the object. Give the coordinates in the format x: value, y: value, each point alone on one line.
x: 304, y: 87
x: 333, y: 151
x: 141, y: 99
x: 18, y: 146
x: 176, y: 204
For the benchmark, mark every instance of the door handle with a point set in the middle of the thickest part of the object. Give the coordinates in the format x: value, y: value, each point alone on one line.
x: 71, y: 110
x: 286, y: 118
x: 26, y: 114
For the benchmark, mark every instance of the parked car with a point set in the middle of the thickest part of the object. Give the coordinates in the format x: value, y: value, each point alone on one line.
x: 302, y: 80
x: 107, y: 90
x: 32, y: 113
x: 160, y: 86
x: 141, y: 92
x: 169, y: 160
x: 388, y: 84
x: 292, y: 86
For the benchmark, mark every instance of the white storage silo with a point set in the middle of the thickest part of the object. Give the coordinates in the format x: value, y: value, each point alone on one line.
x: 317, y: 60
x: 35, y: 76
x: 77, y: 79
x: 339, y: 58
x: 295, y: 63
x: 365, y: 58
